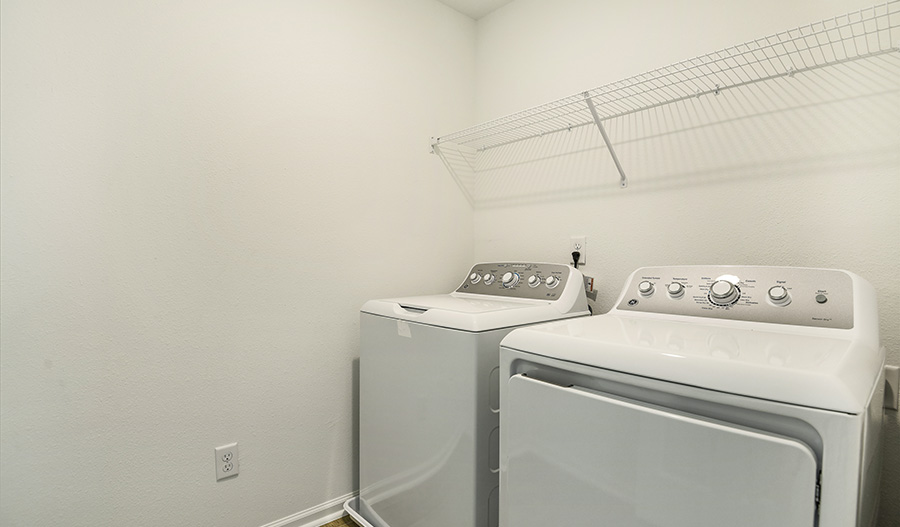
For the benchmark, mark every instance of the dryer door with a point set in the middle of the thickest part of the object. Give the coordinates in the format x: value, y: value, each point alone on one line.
x: 574, y: 456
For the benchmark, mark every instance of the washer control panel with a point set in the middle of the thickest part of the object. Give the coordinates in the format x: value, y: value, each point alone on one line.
x: 538, y: 281
x: 778, y: 295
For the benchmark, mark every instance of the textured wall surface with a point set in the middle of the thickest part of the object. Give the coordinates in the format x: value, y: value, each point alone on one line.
x: 196, y: 200
x: 816, y: 186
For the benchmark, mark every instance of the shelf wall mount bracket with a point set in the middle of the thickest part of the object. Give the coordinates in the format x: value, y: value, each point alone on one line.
x: 623, y: 181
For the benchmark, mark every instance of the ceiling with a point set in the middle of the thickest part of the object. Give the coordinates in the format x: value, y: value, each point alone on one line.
x: 475, y: 9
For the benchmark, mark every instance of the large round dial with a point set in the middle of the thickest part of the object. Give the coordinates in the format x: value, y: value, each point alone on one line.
x: 510, y: 279
x: 724, y: 293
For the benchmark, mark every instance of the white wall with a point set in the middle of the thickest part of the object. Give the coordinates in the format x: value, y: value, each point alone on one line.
x: 816, y: 186
x: 196, y: 199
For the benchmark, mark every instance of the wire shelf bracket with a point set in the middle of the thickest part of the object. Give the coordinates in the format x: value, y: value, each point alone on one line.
x: 623, y: 182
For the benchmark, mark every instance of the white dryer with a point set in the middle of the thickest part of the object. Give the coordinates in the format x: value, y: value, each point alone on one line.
x: 429, y: 393
x: 707, y: 397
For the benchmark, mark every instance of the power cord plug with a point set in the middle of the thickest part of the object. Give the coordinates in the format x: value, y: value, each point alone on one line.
x: 575, y: 257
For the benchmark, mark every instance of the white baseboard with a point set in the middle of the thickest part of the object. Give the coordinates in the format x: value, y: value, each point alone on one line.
x: 315, y: 516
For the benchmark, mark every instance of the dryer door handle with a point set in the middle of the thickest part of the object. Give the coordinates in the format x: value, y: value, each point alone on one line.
x: 412, y: 310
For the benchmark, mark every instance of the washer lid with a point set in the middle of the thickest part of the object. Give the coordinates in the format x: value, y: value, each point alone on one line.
x: 809, y: 370
x: 467, y: 312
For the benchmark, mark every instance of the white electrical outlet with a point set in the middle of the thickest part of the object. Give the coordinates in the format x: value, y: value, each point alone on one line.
x: 578, y: 243
x: 227, y: 463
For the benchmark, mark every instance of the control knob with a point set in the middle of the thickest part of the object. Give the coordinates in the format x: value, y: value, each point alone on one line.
x: 779, y: 295
x: 552, y: 281
x: 645, y: 288
x: 488, y: 278
x: 474, y: 278
x: 724, y: 293
x: 534, y: 280
x: 510, y: 279
x: 675, y: 290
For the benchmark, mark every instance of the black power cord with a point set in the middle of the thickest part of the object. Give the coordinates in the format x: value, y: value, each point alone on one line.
x: 575, y: 257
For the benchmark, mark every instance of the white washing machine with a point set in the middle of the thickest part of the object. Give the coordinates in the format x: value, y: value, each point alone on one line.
x: 429, y: 393
x: 707, y: 397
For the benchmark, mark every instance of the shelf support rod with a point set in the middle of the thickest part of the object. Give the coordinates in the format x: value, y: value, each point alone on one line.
x: 590, y: 103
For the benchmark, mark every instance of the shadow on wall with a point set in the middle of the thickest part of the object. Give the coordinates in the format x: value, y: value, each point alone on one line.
x: 355, y: 426
x: 890, y: 508
x: 819, y: 122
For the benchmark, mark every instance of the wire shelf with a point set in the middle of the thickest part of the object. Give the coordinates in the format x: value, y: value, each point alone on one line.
x: 868, y: 39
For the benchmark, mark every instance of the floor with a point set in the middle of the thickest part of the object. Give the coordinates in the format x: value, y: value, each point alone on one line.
x: 341, y: 522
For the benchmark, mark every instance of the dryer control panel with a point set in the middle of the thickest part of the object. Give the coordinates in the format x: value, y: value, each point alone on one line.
x: 778, y: 295
x: 537, y: 281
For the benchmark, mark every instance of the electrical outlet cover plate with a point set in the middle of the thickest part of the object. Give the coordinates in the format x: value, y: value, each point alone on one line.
x: 578, y: 243
x: 227, y: 464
